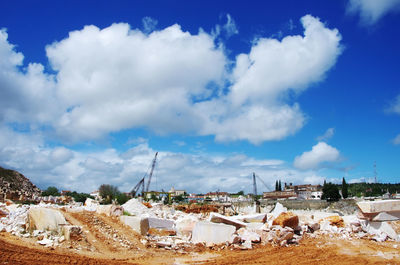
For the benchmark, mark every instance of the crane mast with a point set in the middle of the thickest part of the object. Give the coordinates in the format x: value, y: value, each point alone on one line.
x: 254, y: 186
x: 151, y: 172
x: 256, y: 201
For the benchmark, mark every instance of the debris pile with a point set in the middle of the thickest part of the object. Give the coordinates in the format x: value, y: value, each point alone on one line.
x: 15, y: 186
x: 163, y: 226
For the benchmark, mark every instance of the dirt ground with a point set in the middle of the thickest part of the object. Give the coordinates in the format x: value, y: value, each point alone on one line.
x: 106, y: 241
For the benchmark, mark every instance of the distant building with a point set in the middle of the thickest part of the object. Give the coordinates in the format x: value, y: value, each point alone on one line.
x: 173, y: 192
x: 219, y: 196
x: 302, y: 192
x: 195, y: 197
x: 274, y: 195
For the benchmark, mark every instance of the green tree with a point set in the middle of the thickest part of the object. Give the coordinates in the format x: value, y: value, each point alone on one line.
x: 51, y: 191
x: 179, y: 198
x: 122, y: 198
x: 276, y: 186
x: 330, y: 192
x: 280, y: 186
x: 240, y: 193
x: 108, y: 192
x: 345, y: 192
x: 79, y: 197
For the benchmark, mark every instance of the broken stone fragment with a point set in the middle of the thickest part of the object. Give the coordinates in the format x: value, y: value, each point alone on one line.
x: 287, y: 219
x: 46, y: 242
x: 246, y: 235
x: 163, y: 244
x: 184, y: 227
x: 72, y: 232
x: 247, y: 245
x: 313, y: 227
x: 218, y: 218
x: 251, y: 218
x: 335, y: 220
x: 110, y: 210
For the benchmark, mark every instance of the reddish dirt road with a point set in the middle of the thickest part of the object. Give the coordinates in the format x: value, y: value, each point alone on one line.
x: 311, y: 251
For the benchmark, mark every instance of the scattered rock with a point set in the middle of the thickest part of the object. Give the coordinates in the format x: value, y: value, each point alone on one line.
x: 218, y: 218
x: 72, y: 232
x: 287, y: 219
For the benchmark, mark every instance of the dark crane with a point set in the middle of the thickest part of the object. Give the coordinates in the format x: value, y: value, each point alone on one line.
x: 257, y: 202
x: 141, y: 184
x: 153, y: 164
x: 137, y: 187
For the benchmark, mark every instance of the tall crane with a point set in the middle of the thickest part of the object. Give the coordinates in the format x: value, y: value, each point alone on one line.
x: 141, y: 183
x: 256, y: 201
x: 153, y: 165
x: 254, y: 187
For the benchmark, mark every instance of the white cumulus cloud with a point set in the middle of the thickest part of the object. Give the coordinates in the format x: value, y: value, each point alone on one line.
x: 372, y: 10
x: 26, y: 95
x: 320, y: 153
x: 167, y: 81
x: 256, y: 108
x: 118, y: 78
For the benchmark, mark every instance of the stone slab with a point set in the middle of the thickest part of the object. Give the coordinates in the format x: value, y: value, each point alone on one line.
x: 251, y: 218
x: 379, y: 206
x: 218, y: 218
x: 212, y: 233
x: 386, y: 216
x: 161, y: 223
x: 138, y: 224
x: 45, y: 219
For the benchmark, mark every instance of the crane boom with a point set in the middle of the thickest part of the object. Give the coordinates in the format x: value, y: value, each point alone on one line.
x: 151, y: 172
x: 256, y: 201
x: 254, y: 186
x: 137, y: 187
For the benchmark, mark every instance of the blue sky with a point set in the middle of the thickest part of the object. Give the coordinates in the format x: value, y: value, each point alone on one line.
x: 300, y: 91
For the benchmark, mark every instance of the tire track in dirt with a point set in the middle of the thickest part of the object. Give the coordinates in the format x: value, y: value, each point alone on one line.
x: 16, y: 255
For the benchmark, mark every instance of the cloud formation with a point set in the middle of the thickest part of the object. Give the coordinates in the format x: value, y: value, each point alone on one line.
x: 85, y: 171
x: 327, y: 135
x: 167, y: 81
x: 319, y: 154
x: 394, y: 106
x: 372, y: 10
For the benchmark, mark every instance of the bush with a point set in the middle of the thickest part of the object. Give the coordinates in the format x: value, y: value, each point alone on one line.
x: 79, y: 197
x: 51, y: 191
x: 122, y: 198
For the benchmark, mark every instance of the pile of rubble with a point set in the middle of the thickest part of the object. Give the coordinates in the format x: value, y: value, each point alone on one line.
x: 15, y: 186
x: 163, y: 226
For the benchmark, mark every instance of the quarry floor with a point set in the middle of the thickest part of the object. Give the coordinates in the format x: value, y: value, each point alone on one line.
x: 99, y: 245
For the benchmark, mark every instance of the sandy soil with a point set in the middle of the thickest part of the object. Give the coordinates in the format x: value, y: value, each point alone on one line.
x: 106, y: 241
